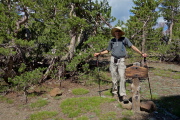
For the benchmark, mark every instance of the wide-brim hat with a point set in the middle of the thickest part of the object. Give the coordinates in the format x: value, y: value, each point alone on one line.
x: 117, y: 28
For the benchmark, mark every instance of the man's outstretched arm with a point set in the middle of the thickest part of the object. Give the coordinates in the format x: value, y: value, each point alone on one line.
x: 100, y: 53
x: 138, y: 51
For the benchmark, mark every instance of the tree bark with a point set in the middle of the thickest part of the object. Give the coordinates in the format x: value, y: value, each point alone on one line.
x: 170, y: 32
x: 144, y: 35
x: 72, y: 45
x: 136, y: 95
x: 23, y: 20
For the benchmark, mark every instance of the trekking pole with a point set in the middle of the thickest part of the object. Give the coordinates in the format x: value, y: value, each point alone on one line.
x: 150, y: 88
x: 99, y: 82
x: 148, y: 78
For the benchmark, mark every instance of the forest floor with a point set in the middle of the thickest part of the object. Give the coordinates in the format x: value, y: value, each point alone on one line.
x: 164, y: 88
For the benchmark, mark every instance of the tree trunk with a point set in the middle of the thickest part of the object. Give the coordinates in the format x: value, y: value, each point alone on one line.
x: 25, y: 94
x: 143, y: 45
x: 72, y: 45
x: 23, y: 20
x: 143, y: 42
x: 170, y: 32
x: 48, y: 69
x: 136, y: 95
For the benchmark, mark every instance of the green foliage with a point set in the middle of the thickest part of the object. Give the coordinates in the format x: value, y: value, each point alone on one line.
x: 169, y: 8
x: 42, y: 115
x: 140, y: 26
x: 24, y: 43
x: 170, y: 11
x: 22, y: 67
x: 53, y: 25
x: 73, y: 107
x: 99, y: 42
x: 80, y: 91
x: 27, y: 79
x: 7, y: 51
x: 3, y: 87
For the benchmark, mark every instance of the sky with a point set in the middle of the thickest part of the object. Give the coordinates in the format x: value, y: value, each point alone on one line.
x: 121, y: 10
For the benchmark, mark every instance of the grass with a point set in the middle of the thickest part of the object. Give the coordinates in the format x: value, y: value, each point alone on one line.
x: 32, y: 94
x: 167, y: 73
x: 82, y: 118
x: 7, y: 100
x: 80, y: 91
x: 147, y: 95
x: 74, y: 107
x: 120, y: 105
x: 125, y: 118
x: 57, y: 97
x: 108, y: 93
x: 39, y: 103
x: 127, y: 113
x: 42, y: 115
x: 108, y: 116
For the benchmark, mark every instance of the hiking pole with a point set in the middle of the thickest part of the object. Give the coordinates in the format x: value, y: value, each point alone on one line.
x: 150, y: 87
x: 99, y: 82
x: 148, y: 78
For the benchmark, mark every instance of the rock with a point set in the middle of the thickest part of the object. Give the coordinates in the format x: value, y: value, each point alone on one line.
x: 137, y: 63
x: 148, y: 106
x: 126, y: 105
x: 55, y: 92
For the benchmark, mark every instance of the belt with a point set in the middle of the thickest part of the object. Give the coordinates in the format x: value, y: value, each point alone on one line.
x: 118, y: 57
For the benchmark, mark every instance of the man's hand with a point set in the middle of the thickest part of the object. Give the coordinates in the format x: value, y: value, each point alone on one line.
x: 96, y: 54
x: 101, y: 53
x: 144, y: 54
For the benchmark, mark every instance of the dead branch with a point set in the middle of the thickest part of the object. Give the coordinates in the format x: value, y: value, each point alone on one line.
x: 23, y: 20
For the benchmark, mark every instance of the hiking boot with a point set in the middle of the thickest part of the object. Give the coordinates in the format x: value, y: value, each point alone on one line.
x: 114, y: 91
x: 124, y: 98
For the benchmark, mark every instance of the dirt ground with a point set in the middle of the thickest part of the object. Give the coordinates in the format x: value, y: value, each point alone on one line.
x: 160, y: 86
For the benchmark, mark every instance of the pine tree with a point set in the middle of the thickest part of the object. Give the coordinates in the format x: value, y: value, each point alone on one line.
x: 170, y: 10
x: 140, y: 25
x: 61, y: 32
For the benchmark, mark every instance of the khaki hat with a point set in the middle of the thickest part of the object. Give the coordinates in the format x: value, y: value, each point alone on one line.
x: 116, y: 28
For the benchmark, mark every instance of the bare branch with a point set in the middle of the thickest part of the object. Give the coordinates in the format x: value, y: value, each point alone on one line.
x: 22, y: 20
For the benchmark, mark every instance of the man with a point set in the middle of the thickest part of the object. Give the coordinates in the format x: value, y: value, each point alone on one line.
x: 117, y: 61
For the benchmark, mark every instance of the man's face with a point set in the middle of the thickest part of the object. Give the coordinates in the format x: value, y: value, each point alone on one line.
x: 118, y: 33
